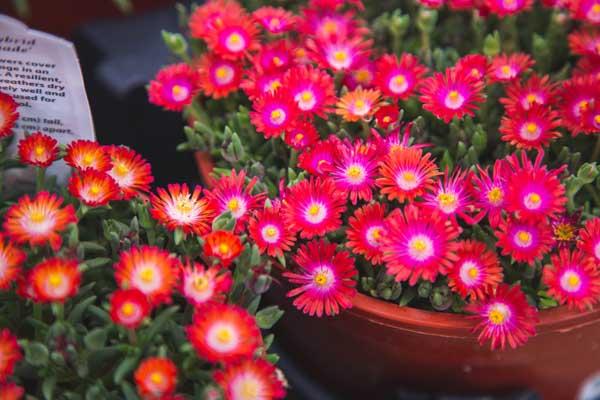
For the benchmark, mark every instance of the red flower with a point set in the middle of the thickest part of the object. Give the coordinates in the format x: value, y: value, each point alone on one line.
x: 84, y: 154
x: 319, y: 158
x: 250, y: 379
x: 174, y: 87
x: 234, y: 37
x: 200, y: 285
x: 275, y: 20
x: 39, y: 220
x: 274, y: 113
x: 276, y: 56
x: 8, y: 114
x: 475, y: 65
x: 223, y: 245
x: 176, y: 208
x: 129, y: 307
x: 327, y: 25
x: 490, y: 191
x: 366, y: 229
x: 585, y: 42
x: 314, y: 207
x: 223, y: 332
x: 218, y: 77
x: 531, y: 129
x: 577, y: 96
x: 505, y: 317
x: 534, y: 193
x: 11, y: 261
x: 259, y: 83
x: 325, y: 278
x: 354, y: 170
x: 406, y: 173
x: 10, y: 354
x: 38, y: 149
x: 269, y: 231
x: 524, y: 241
x: 476, y: 271
x: 131, y: 172
x: 10, y: 391
x: 450, y: 195
x: 451, y: 94
x: 312, y: 89
x: 398, y: 78
x: 419, y: 244
x: 209, y: 16
x: 358, y: 104
x: 341, y: 54
x: 585, y: 10
x: 156, y: 378
x: 506, y: 68
x: 589, y: 238
x: 302, y: 135
x: 93, y: 188
x: 537, y: 91
x: 149, y: 269
x: 503, y: 8
x: 387, y: 116
x: 573, y: 278
x: 55, y: 280
x: 362, y: 75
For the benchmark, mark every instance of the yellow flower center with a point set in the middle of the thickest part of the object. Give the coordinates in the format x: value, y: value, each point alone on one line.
x: 597, y: 118
x: 582, y: 105
x: 362, y: 75
x: 277, y: 61
x: 314, y: 210
x: 596, y: 8
x: 330, y: 27
x: 87, y: 159
x: 376, y: 232
x: 235, y: 38
x: 531, y: 127
x: 177, y: 90
x: 156, y: 378
x: 299, y: 137
x: 321, y: 279
x: 121, y: 169
x: 505, y: 70
x: 399, y: 80
x: 249, y: 390
x: 495, y: 195
x: 473, y: 272
x: 271, y: 232
x: 128, y: 309
x: 223, y: 248
x: 534, y: 198
x: 306, y: 96
x: 184, y: 206
x: 340, y: 56
x: 475, y: 73
x: 386, y: 119
x: 147, y: 274
x: 55, y: 279
x: 453, y: 95
x: 274, y: 23
x: 37, y: 216
x: 409, y: 176
x: 419, y: 245
x: 233, y: 205
x: 359, y: 104
x: 524, y: 237
x: 531, y: 98
x: 497, y: 317
x: 39, y: 150
x: 95, y: 189
x: 574, y: 280
x: 274, y: 85
x: 564, y: 232
x: 221, y: 72
x: 224, y: 335
x: 354, y: 172
x: 200, y: 283
x: 447, y: 199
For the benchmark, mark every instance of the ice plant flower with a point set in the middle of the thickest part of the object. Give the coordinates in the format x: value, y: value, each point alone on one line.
x: 406, y: 173
x: 11, y: 261
x: 398, y: 78
x: 589, y: 238
x: 577, y: 96
x: 174, y: 87
x: 274, y: 113
x: 451, y: 94
x: 573, y: 278
x: 450, y: 195
x: 565, y: 229
x: 473, y: 64
x: 223, y: 332
x: 234, y: 38
x: 209, y: 16
x: 10, y: 391
x: 87, y: 154
x: 504, y: 8
x: 149, y: 269
x: 250, y: 379
x: 223, y: 245
x: 258, y: 83
x: 504, y: 317
x: 489, y: 191
x: 534, y: 192
x: 218, y: 77
x: 38, y: 220
x: 231, y: 193
x: 177, y: 207
x: 419, y: 244
x: 585, y: 42
x: 55, y: 280
x: 131, y: 172
x: 311, y: 88
x: 358, y: 104
x: 10, y: 354
x: 354, y: 170
x: 524, y: 241
x: 506, y: 68
x: 318, y: 159
x: 8, y: 114
x: 156, y: 378
x: 276, y: 56
x: 585, y: 10
x: 324, y: 278
x: 302, y: 135
x: 387, y: 116
x: 38, y: 149
x: 476, y: 270
x: 269, y: 230
x: 366, y: 229
x: 200, y: 284
x: 340, y: 55
x: 129, y: 307
x: 362, y: 75
x: 93, y: 188
x: 530, y: 129
x: 275, y: 20
x: 314, y: 207
x: 536, y: 91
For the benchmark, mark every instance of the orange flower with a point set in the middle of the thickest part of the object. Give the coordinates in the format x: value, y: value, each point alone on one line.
x: 149, y: 269
x: 8, y: 114
x: 38, y: 149
x: 11, y: 259
x: 131, y: 172
x: 250, y: 379
x: 224, y: 245
x: 39, y: 220
x: 9, y: 354
x: 156, y: 378
x: 55, y: 280
x: 84, y: 154
x: 358, y: 104
x: 93, y: 188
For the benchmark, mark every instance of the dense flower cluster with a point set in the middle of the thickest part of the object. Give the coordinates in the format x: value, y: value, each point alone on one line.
x: 475, y: 197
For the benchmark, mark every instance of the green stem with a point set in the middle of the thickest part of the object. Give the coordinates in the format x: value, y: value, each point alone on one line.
x: 40, y: 178
x: 59, y: 311
x: 132, y: 335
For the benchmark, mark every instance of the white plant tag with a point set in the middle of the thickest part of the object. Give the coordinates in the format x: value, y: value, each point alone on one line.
x: 42, y: 73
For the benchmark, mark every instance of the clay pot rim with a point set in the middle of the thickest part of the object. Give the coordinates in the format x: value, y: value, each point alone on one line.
x: 559, y: 319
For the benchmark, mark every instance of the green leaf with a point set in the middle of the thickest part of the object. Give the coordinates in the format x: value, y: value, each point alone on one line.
x: 98, y: 262
x: 129, y: 391
x: 77, y: 311
x: 36, y: 354
x: 125, y: 367
x: 272, y: 358
x: 267, y: 317
x: 95, y: 339
x: 178, y: 236
x: 48, y: 387
x: 159, y: 323
x: 225, y: 221
x: 268, y: 341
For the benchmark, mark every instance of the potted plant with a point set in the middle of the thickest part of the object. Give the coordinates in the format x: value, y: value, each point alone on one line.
x: 431, y: 171
x: 112, y: 292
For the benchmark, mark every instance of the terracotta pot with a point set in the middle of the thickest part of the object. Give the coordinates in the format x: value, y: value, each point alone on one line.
x: 377, y: 347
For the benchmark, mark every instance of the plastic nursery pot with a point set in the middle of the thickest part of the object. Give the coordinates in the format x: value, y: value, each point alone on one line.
x: 377, y: 347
